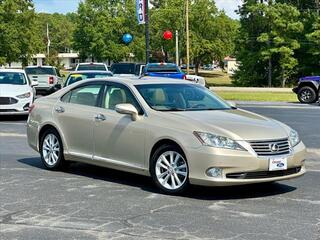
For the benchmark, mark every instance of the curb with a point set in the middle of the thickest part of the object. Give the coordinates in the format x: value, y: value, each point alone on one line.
x: 251, y: 89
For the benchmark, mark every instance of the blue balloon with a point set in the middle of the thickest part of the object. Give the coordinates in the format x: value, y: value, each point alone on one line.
x: 127, y: 38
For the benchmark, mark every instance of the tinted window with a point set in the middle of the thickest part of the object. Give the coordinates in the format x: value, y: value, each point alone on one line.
x: 82, y: 76
x: 40, y: 71
x: 163, y: 68
x: 12, y: 78
x: 97, y: 67
x: 86, y: 95
x: 117, y: 95
x: 123, y: 68
x: 180, y: 97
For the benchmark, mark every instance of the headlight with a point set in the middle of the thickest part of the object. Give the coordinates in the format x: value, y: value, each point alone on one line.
x: 25, y: 95
x: 212, y: 140
x: 294, y: 138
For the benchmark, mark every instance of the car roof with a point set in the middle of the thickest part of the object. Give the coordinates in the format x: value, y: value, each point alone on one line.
x: 89, y: 71
x: 92, y: 63
x: 40, y: 66
x: 160, y: 64
x: 140, y: 81
x: 12, y: 70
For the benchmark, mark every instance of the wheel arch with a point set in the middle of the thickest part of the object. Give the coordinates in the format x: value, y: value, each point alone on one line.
x: 161, y: 142
x: 46, y: 127
x: 313, y: 85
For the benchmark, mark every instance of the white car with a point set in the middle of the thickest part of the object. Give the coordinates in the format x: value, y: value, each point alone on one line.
x: 91, y: 67
x: 16, y: 92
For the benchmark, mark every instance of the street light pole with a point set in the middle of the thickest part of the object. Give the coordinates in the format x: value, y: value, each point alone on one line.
x: 147, y: 31
x: 177, y: 47
x: 188, y: 43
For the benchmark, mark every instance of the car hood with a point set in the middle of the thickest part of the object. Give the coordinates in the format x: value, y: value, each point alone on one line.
x: 10, y: 90
x: 236, y: 124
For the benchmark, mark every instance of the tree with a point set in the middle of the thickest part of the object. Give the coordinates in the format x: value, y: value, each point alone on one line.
x: 268, y: 37
x: 100, y: 26
x: 17, y: 39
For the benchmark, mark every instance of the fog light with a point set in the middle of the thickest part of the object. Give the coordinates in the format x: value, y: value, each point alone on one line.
x: 214, y: 172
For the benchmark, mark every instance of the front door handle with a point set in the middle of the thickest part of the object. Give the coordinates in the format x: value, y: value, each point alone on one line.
x: 100, y: 117
x: 59, y: 109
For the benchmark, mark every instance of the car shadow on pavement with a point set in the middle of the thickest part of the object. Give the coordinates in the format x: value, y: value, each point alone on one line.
x: 145, y: 183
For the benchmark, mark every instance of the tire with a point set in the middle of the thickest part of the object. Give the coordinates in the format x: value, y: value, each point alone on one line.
x: 51, y: 150
x: 169, y: 169
x: 307, y: 95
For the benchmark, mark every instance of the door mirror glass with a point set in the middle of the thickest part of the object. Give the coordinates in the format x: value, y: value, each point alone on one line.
x: 128, y: 109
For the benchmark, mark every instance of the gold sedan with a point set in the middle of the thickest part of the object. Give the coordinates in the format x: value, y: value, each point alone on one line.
x: 177, y: 132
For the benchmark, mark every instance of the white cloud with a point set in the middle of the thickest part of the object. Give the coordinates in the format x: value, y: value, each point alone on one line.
x: 229, y: 6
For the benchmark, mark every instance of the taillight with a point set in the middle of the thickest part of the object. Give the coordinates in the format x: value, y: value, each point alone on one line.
x: 51, y: 80
x: 32, y: 106
x: 185, y: 77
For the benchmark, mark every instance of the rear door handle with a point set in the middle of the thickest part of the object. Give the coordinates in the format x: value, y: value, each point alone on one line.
x: 59, y: 109
x: 100, y: 117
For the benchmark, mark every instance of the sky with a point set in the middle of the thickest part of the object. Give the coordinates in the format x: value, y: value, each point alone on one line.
x: 64, y: 6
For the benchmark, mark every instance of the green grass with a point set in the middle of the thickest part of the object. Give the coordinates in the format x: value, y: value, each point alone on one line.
x: 258, y: 96
x: 217, y: 78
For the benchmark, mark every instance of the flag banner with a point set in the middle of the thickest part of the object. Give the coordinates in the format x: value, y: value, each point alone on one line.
x: 141, y: 11
x: 48, y: 36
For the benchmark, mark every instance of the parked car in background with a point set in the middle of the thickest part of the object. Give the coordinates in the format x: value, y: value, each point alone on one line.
x: 308, y: 89
x: 168, y: 70
x: 16, y: 92
x: 123, y: 69
x: 91, y: 67
x: 177, y: 132
x: 83, y: 75
x: 46, y: 76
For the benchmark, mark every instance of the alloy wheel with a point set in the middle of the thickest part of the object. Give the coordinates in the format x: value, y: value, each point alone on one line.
x: 51, y: 149
x: 171, y: 170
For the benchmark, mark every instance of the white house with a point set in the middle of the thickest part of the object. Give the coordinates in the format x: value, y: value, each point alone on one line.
x: 231, y: 64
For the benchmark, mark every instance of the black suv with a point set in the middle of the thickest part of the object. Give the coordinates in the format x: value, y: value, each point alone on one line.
x: 308, y: 90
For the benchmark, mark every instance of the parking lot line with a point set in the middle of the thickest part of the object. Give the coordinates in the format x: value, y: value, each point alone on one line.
x: 7, y: 134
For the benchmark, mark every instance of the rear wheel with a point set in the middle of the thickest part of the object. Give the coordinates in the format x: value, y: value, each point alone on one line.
x: 169, y: 169
x: 307, y: 95
x: 51, y: 150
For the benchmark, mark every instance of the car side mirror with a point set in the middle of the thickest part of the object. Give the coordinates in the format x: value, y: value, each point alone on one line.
x: 34, y: 83
x: 128, y: 109
x: 232, y: 104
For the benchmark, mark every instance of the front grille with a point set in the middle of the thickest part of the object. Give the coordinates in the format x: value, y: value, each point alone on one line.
x: 7, y: 100
x: 8, y: 110
x: 271, y: 148
x: 264, y: 174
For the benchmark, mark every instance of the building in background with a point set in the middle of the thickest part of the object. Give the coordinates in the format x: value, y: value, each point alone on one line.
x: 231, y: 65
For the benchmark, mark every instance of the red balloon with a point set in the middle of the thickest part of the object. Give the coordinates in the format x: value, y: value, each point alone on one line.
x: 167, y: 35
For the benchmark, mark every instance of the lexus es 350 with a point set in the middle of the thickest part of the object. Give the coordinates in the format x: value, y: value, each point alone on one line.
x: 177, y: 132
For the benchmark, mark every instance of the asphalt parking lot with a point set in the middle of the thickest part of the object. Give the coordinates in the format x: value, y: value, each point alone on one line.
x: 87, y: 202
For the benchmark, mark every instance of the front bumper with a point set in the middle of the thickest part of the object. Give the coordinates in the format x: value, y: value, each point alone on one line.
x: 235, y: 162
x: 19, y: 108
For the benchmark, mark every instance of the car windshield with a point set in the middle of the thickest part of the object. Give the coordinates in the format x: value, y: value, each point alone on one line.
x: 12, y: 78
x: 162, y: 68
x: 180, y: 97
x: 40, y: 71
x: 76, y: 77
x: 97, y: 67
x: 123, y: 68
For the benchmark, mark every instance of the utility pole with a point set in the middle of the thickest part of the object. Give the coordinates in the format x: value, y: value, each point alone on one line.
x: 188, y: 43
x: 177, y: 47
x: 147, y: 31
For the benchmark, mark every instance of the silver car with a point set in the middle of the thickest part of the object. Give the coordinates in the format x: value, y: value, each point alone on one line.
x: 177, y: 132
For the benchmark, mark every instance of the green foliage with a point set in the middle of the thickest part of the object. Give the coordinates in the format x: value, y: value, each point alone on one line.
x: 100, y: 26
x: 17, y: 39
x: 284, y: 32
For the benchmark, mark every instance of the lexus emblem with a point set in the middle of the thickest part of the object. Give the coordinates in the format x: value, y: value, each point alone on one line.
x: 274, y: 147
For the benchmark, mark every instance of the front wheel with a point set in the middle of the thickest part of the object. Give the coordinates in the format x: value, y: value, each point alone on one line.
x: 307, y: 95
x: 169, y: 169
x: 51, y: 150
